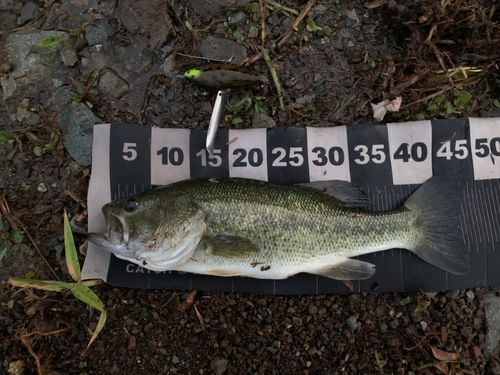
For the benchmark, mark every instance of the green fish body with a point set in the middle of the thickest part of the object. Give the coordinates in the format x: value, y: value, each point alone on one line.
x: 229, y: 227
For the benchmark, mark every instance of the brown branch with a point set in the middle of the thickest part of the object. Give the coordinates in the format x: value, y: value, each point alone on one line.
x: 427, y: 98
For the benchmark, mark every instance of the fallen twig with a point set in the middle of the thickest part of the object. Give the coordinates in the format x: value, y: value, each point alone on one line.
x: 15, y: 223
x: 200, y: 318
x: 275, y: 77
x: 77, y: 199
x: 427, y: 97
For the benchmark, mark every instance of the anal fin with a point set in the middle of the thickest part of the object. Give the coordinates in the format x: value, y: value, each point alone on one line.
x: 349, y: 269
x: 229, y: 246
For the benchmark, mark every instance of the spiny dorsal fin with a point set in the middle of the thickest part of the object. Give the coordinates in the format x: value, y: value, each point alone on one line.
x: 229, y: 246
x: 344, y: 191
x: 350, y: 269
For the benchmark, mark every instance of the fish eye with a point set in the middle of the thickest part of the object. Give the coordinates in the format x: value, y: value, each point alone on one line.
x: 132, y: 205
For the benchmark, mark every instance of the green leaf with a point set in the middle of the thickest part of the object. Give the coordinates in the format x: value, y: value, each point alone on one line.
x: 446, y: 104
x: 309, y: 27
x: 51, y: 45
x: 10, y: 304
x: 237, y: 120
x: 431, y: 106
x: 327, y: 30
x: 1, y: 226
x: 4, y: 139
x: 439, y: 99
x: 18, y: 236
x: 26, y: 249
x: 238, y: 35
x: 496, y: 103
x: 308, y: 122
x: 89, y: 104
x: 463, y: 98
x: 189, y: 26
x: 71, y: 255
x: 54, y: 286
x: 85, y: 294
x: 251, y: 8
x: 29, y: 275
x: 2, y: 254
x: 420, y: 117
x: 33, y: 138
x: 38, y: 151
x: 100, y: 325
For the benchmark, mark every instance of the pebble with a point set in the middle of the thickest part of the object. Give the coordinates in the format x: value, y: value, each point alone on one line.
x: 435, y: 314
x: 470, y: 294
x: 317, y: 77
x: 383, y: 328
x: 251, y: 347
x: 42, y: 188
x: 272, y: 349
x: 453, y: 294
x: 297, y: 320
x: 69, y: 56
x: 170, y: 95
x: 324, y: 338
x: 112, y: 84
x: 352, y: 323
x: 313, y: 351
x: 131, y: 342
x: 173, y: 370
x: 423, y: 324
x: 219, y: 365
x: 115, y: 368
x: 237, y: 18
x: 353, y: 367
x: 313, y: 310
x: 261, y: 120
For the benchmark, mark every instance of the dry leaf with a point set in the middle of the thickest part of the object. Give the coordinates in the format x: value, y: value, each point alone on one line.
x: 349, y: 284
x: 477, y: 351
x: 443, y: 367
x: 376, y: 4
x: 444, y: 356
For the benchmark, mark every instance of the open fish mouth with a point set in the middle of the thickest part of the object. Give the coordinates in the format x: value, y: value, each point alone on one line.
x: 117, y: 237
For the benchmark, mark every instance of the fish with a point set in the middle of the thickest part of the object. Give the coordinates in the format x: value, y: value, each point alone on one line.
x: 221, y: 76
x: 238, y: 227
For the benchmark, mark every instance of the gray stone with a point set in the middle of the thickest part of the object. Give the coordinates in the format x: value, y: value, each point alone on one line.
x: 470, y: 294
x: 352, y: 323
x: 261, y: 120
x: 317, y: 77
x: 324, y: 338
x: 297, y: 320
x: 175, y: 360
x: 6, y: 4
x: 30, y: 67
x: 492, y: 311
x: 237, y: 18
x: 111, y: 84
x: 77, y: 125
x: 95, y: 34
x: 28, y: 12
x: 115, y: 368
x: 251, y: 347
x: 215, y: 7
x: 69, y: 56
x: 170, y: 95
x: 353, y: 367
x: 453, y: 294
x: 272, y: 350
x: 219, y: 365
x: 423, y: 323
x: 221, y: 48
x: 383, y: 328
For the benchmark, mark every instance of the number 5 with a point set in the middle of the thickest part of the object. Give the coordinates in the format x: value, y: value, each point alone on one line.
x: 128, y: 148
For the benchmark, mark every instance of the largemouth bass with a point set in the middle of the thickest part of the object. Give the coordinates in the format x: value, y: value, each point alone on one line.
x: 229, y: 227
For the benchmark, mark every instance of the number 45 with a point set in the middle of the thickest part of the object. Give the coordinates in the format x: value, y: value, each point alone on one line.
x: 460, y: 151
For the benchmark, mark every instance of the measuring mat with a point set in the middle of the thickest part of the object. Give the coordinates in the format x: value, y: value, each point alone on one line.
x: 388, y: 162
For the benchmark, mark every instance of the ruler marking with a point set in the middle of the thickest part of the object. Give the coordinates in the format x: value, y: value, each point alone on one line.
x: 478, y: 212
x: 465, y: 232
x: 487, y: 207
x: 495, y: 208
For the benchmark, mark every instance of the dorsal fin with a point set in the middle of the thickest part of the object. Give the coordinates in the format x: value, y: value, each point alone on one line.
x: 344, y: 191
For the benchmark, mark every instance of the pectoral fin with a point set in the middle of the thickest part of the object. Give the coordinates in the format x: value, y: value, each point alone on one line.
x: 350, y: 269
x: 229, y: 246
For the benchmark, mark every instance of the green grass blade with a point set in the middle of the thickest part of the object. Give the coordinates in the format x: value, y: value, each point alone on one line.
x: 92, y: 282
x: 2, y: 254
x: 85, y: 294
x: 51, y: 45
x: 71, y: 255
x: 55, y: 286
x: 275, y: 77
x: 100, y: 325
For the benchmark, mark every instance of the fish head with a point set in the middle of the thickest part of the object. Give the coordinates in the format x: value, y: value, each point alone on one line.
x: 157, y: 229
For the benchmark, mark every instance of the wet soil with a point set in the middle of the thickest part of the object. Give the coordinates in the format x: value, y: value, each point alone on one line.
x: 371, y: 51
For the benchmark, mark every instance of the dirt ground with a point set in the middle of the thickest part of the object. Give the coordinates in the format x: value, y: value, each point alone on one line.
x: 344, y: 56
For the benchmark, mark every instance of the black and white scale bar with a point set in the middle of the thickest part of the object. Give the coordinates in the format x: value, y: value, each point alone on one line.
x: 389, y: 162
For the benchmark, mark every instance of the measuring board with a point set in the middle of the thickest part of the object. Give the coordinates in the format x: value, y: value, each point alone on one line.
x: 388, y: 162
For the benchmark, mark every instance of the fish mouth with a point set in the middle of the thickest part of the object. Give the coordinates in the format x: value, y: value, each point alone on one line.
x: 117, y: 236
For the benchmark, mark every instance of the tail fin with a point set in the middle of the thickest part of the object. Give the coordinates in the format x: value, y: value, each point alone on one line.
x: 442, y: 244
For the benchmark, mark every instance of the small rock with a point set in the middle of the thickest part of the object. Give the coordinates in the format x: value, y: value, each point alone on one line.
x: 219, y: 365
x: 33, y: 119
x: 272, y: 350
x: 111, y: 84
x: 313, y: 310
x: 175, y: 360
x: 297, y: 320
x: 313, y: 351
x: 131, y: 342
x: 435, y: 314
x: 383, y: 328
x: 453, y: 294
x: 170, y: 95
x: 95, y: 34
x: 324, y: 338
x: 69, y: 56
x: 42, y: 188
x: 317, y: 77
x: 82, y: 365
x: 470, y: 294
x: 115, y: 368
x: 251, y: 347
x: 237, y: 18
x: 277, y: 344
x: 352, y: 323
x: 148, y: 327
x: 81, y: 336
x: 173, y: 370
x: 261, y: 120
x: 28, y: 12
x: 221, y: 48
x: 423, y: 323
x: 262, y: 302
x: 16, y: 368
x: 353, y: 368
